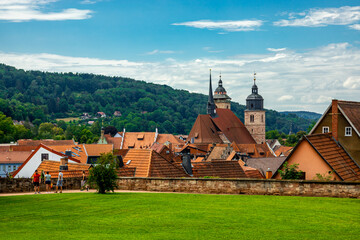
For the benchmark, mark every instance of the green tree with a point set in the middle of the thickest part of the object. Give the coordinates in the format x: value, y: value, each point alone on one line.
x: 290, y: 172
x: 103, y: 175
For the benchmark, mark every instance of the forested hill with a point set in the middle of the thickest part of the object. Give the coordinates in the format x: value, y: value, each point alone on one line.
x: 304, y: 114
x: 41, y: 96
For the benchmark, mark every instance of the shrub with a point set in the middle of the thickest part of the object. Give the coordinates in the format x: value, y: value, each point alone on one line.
x: 103, y: 175
x: 290, y: 172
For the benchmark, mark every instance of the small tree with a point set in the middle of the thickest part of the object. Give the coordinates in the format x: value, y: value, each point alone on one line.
x: 290, y: 172
x: 103, y: 175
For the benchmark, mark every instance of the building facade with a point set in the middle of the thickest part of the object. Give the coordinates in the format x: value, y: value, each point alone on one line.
x: 255, y: 115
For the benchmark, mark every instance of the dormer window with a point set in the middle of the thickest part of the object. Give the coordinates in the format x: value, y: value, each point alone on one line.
x: 325, y: 129
x: 348, y: 131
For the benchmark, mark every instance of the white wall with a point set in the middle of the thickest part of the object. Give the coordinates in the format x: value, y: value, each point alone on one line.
x: 28, y: 170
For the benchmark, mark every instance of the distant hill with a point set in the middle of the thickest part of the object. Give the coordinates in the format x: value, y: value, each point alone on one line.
x: 304, y: 114
x: 42, y: 96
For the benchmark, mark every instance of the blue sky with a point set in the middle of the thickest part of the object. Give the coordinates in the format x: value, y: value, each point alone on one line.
x: 304, y: 52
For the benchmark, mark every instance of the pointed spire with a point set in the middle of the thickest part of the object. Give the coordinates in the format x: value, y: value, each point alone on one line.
x: 211, y: 104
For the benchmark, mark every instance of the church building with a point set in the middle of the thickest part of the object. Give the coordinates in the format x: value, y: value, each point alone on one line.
x: 255, y: 114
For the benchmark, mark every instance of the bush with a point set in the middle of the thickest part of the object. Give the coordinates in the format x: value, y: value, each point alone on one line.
x: 103, y: 175
x: 290, y: 172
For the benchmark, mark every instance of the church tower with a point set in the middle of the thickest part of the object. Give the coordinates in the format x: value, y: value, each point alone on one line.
x: 222, y: 100
x: 255, y: 114
x: 211, y: 107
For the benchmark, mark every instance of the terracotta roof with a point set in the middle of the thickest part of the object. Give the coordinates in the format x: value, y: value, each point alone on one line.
x: 149, y: 163
x: 253, y: 150
x: 232, y: 127
x: 34, y: 152
x: 22, y: 148
x: 69, y: 174
x: 97, y: 149
x: 126, y: 172
x: 218, y: 151
x: 13, y: 157
x: 78, y: 151
x: 162, y: 138
x: 138, y: 140
x: 116, y: 141
x: 47, y: 142
x: 335, y: 156
x: 283, y: 150
x: 352, y: 112
x: 5, y: 148
x: 204, y: 130
x: 263, y: 164
x: 221, y: 169
x: 249, y: 171
x: 48, y: 165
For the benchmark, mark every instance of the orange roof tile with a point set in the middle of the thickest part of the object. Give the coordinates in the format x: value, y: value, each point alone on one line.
x: 352, y: 112
x: 47, y: 142
x: 97, y: 149
x: 48, y: 165
x: 249, y: 171
x: 14, y: 157
x: 221, y: 169
x: 335, y: 156
x: 78, y: 151
x: 283, y: 150
x: 149, y: 163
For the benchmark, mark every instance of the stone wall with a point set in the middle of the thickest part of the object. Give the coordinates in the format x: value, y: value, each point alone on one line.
x: 214, y: 186
x: 243, y: 186
x: 256, y: 128
x: 25, y: 184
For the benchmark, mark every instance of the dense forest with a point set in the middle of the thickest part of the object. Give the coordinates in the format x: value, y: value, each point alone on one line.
x: 38, y: 97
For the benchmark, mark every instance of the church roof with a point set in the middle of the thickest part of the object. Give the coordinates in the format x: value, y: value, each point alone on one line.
x: 208, y: 130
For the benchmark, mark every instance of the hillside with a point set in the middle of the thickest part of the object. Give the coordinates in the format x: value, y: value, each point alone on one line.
x: 304, y: 114
x: 41, y: 96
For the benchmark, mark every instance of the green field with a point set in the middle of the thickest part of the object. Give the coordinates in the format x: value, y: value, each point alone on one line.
x: 177, y: 216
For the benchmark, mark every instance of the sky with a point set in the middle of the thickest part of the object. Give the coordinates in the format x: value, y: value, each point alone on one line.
x: 304, y: 53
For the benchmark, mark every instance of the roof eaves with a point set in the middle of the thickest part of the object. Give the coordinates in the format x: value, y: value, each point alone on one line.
x: 323, y: 157
x: 351, y: 124
x: 319, y: 121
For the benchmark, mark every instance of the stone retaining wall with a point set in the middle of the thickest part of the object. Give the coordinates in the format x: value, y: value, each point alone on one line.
x: 25, y: 184
x: 215, y: 186
x: 243, y: 186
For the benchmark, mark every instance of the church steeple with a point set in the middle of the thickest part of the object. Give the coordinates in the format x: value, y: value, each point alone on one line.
x: 211, y: 107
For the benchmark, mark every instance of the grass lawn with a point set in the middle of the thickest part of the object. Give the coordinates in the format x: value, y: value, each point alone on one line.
x: 177, y: 216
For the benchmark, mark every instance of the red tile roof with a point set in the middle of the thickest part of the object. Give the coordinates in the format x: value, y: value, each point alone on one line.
x: 47, y: 142
x: 232, y: 127
x: 149, y: 163
x: 74, y: 169
x: 254, y: 150
x: 204, y: 130
x: 334, y: 155
x: 13, y: 157
x: 221, y: 169
x: 283, y: 150
x: 249, y: 171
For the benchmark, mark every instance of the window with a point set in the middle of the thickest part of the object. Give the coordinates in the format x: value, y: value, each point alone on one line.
x: 14, y: 168
x: 9, y: 168
x: 325, y: 129
x: 348, y: 131
x: 251, y: 118
x: 262, y: 118
x: 44, y: 156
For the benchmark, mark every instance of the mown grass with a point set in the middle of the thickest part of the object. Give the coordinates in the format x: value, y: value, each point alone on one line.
x: 177, y: 216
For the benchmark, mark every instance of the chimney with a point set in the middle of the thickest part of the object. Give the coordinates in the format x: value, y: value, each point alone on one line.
x: 68, y: 153
x: 268, y: 173
x: 64, y: 163
x: 334, y: 118
x: 186, y: 163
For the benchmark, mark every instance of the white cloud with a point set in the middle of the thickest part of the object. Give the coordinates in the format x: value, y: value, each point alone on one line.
x: 156, y: 51
x: 316, y: 17
x: 276, y: 49
x: 227, y: 26
x: 355, y: 26
x: 211, y: 50
x: 312, y: 78
x: 352, y: 82
x: 285, y: 98
x: 28, y: 10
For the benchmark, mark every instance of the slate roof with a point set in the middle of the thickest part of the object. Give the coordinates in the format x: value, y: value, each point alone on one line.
x: 149, y: 163
x: 249, y: 171
x: 13, y: 157
x: 263, y: 164
x: 221, y: 169
x: 335, y: 156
